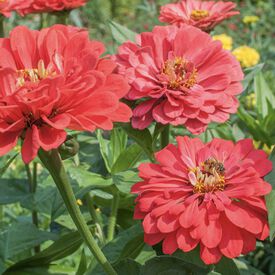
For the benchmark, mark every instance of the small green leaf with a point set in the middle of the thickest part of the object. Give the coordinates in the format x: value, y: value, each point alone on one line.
x: 82, y: 264
x: 127, y: 159
x: 227, y: 266
x: 125, y: 180
x: 104, y: 150
x: 121, y: 34
x: 118, y: 142
x: 7, y: 165
x: 270, y: 204
x: 250, y: 74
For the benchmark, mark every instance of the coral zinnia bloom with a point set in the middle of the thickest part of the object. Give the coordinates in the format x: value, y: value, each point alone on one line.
x: 52, y: 80
x: 7, y: 6
x: 38, y: 6
x: 182, y: 77
x: 201, y: 14
x: 209, y: 195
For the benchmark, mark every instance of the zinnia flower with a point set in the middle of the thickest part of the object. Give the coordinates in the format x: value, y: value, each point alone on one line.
x: 248, y: 57
x: 201, y: 14
x: 7, y: 6
x: 38, y: 6
x: 211, y: 195
x: 180, y: 76
x: 226, y: 40
x: 52, y: 80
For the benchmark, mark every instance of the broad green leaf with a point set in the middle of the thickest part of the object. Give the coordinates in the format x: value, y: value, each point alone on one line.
x: 169, y: 265
x: 227, y: 266
x: 263, y: 95
x: 114, y: 249
x: 125, y: 180
x: 146, y: 254
x: 271, y: 176
x: 13, y: 190
x: 118, y: 142
x: 20, y: 237
x: 127, y: 159
x: 121, y: 34
x: 142, y: 137
x: 128, y: 266
x: 60, y: 249
x: 246, y: 269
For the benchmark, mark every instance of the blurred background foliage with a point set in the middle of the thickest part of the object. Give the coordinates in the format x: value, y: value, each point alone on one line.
x: 105, y: 169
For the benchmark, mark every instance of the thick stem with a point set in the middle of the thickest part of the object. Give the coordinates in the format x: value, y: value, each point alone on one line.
x: 32, y: 181
x: 164, y: 137
x: 113, y: 216
x: 2, y: 26
x: 54, y: 164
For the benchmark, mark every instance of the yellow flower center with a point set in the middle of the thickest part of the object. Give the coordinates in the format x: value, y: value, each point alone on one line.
x: 199, y: 14
x: 208, y: 177
x: 179, y: 73
x: 33, y: 75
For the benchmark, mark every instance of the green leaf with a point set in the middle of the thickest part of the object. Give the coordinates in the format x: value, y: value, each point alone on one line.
x: 104, y: 150
x: 60, y: 249
x: 127, y: 159
x: 20, y: 237
x: 169, y: 265
x: 121, y: 34
x: 128, y: 266
x: 271, y: 176
x: 114, y: 249
x: 142, y: 137
x: 246, y: 269
x: 250, y: 74
x: 13, y: 190
x: 263, y: 95
x: 270, y: 204
x: 118, y: 142
x: 227, y: 266
x: 125, y: 180
x: 7, y: 165
x: 82, y: 264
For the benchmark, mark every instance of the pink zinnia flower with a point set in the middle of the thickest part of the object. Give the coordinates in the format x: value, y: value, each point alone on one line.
x: 52, y: 80
x: 211, y: 195
x: 38, y: 6
x: 180, y: 76
x: 201, y: 14
x: 7, y: 6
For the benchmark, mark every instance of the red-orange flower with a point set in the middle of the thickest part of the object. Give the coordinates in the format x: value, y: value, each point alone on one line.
x: 180, y: 76
x: 52, y: 80
x: 37, y: 6
x: 211, y: 195
x: 7, y: 6
x: 201, y: 14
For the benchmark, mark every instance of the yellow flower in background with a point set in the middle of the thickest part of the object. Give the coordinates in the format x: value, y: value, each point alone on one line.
x: 247, y: 56
x: 226, y: 40
x: 250, y: 101
x: 79, y: 202
x: 249, y: 19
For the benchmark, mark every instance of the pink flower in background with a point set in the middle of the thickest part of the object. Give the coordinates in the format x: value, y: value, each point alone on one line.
x: 180, y: 76
x: 37, y: 6
x: 211, y: 195
x: 201, y: 14
x: 52, y: 80
x: 7, y: 6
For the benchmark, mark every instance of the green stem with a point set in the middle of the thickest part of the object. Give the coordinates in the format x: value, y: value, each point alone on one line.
x: 52, y: 161
x: 1, y: 212
x: 94, y: 215
x: 2, y: 27
x: 32, y: 181
x: 62, y: 17
x: 113, y: 216
x: 164, y: 137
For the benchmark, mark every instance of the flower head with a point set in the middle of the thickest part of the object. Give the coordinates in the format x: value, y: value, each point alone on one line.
x: 201, y: 14
x: 249, y: 19
x: 52, y: 80
x: 7, y: 6
x: 248, y: 57
x: 180, y: 76
x: 211, y: 195
x: 226, y: 40
x: 38, y: 6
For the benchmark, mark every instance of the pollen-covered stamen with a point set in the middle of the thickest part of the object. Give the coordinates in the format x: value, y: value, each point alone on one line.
x: 34, y: 75
x: 199, y: 14
x: 209, y: 176
x: 179, y: 73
